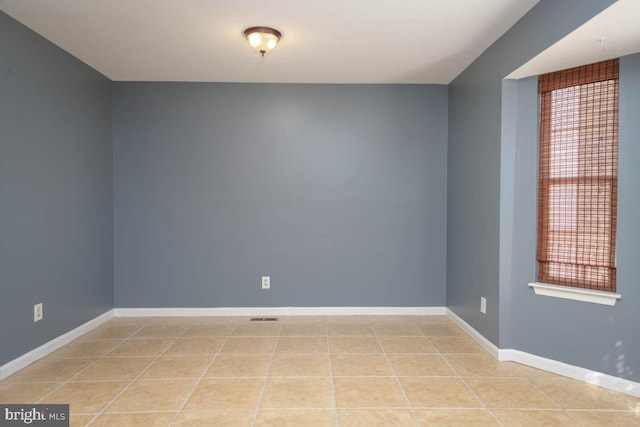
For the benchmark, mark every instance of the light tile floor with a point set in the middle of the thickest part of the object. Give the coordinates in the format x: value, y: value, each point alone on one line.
x: 303, y: 371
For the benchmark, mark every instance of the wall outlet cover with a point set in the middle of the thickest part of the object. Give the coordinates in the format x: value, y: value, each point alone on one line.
x: 37, y: 312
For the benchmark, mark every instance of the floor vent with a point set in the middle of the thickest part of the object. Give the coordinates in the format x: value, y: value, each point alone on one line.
x: 263, y: 319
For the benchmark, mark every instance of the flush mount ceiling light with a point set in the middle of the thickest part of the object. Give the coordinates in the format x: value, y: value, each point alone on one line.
x: 262, y: 39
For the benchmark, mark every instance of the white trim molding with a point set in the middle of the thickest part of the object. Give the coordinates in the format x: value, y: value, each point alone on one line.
x: 560, y: 368
x: 578, y: 294
x: 477, y: 336
x: 49, y: 347
x: 577, y: 373
x: 279, y: 311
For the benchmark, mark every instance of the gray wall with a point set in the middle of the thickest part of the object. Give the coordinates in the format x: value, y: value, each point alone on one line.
x: 55, y: 191
x: 596, y: 337
x: 338, y: 192
x: 474, y: 251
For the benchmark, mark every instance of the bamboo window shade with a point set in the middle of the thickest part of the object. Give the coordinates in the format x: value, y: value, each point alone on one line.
x: 578, y: 177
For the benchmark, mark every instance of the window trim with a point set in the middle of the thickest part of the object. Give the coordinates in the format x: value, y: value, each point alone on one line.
x: 576, y: 294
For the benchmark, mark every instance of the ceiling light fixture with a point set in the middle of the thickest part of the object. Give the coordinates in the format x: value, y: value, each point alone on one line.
x: 262, y: 39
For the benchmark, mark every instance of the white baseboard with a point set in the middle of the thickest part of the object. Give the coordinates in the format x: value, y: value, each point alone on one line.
x: 279, y: 311
x: 49, y: 347
x: 577, y: 373
x: 477, y: 336
x: 560, y: 368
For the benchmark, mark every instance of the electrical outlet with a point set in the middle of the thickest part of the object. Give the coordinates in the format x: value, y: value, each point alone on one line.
x: 266, y: 282
x: 37, y: 312
x: 483, y: 305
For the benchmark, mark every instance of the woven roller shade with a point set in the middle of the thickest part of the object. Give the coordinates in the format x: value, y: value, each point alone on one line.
x: 578, y: 177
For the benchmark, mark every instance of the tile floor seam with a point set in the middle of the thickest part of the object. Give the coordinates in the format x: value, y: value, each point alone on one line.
x: 461, y: 378
x: 397, y: 379
x: 539, y: 390
x: 204, y: 372
x: 266, y: 380
x: 85, y: 368
x: 628, y: 411
x: 173, y: 341
x: 333, y: 390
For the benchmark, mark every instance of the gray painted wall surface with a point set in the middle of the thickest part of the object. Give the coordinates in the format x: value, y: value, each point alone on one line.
x: 474, y: 153
x: 56, y: 218
x: 338, y: 192
x: 597, y: 337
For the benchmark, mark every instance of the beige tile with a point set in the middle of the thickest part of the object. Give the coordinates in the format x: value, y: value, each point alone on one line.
x: 174, y: 320
x: 150, y: 419
x: 87, y: 349
x: 571, y: 394
x: 244, y: 345
x: 529, y: 372
x: 80, y: 420
x: 360, y: 365
x: 195, y: 346
x: 295, y: 418
x: 25, y: 392
x: 608, y: 418
x: 214, y: 418
x: 303, y: 330
x: 302, y: 345
x: 297, y: 393
x: 226, y: 393
x: 87, y: 397
x: 480, y: 365
x: 420, y: 365
x: 396, y: 329
x: 217, y: 320
x: 456, y: 345
x: 455, y: 417
x: 141, y: 347
x: 209, y: 330
x: 430, y: 320
x: 509, y: 393
x: 354, y: 345
x: 239, y: 366
x: 351, y: 320
x: 116, y: 368
x: 168, y: 367
x: 534, y: 418
x: 302, y: 319
x: 349, y: 329
x: 139, y: 322
x: 375, y: 417
x: 438, y: 392
x: 368, y: 393
x: 161, y: 331
x: 394, y: 319
x: 407, y: 345
x: 257, y: 330
x: 153, y: 396
x: 111, y: 331
x: 441, y: 330
x: 51, y: 370
x: 297, y: 365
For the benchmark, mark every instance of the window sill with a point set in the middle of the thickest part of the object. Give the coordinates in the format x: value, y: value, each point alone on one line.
x: 566, y: 292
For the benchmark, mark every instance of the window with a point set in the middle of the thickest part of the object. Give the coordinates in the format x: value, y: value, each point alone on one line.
x: 578, y: 177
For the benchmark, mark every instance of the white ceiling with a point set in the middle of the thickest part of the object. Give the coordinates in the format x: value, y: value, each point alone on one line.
x: 324, y: 41
x: 618, y: 26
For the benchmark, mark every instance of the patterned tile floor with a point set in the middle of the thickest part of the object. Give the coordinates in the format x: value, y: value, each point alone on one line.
x: 303, y: 371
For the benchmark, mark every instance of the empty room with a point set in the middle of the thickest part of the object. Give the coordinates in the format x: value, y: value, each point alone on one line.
x: 336, y: 213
